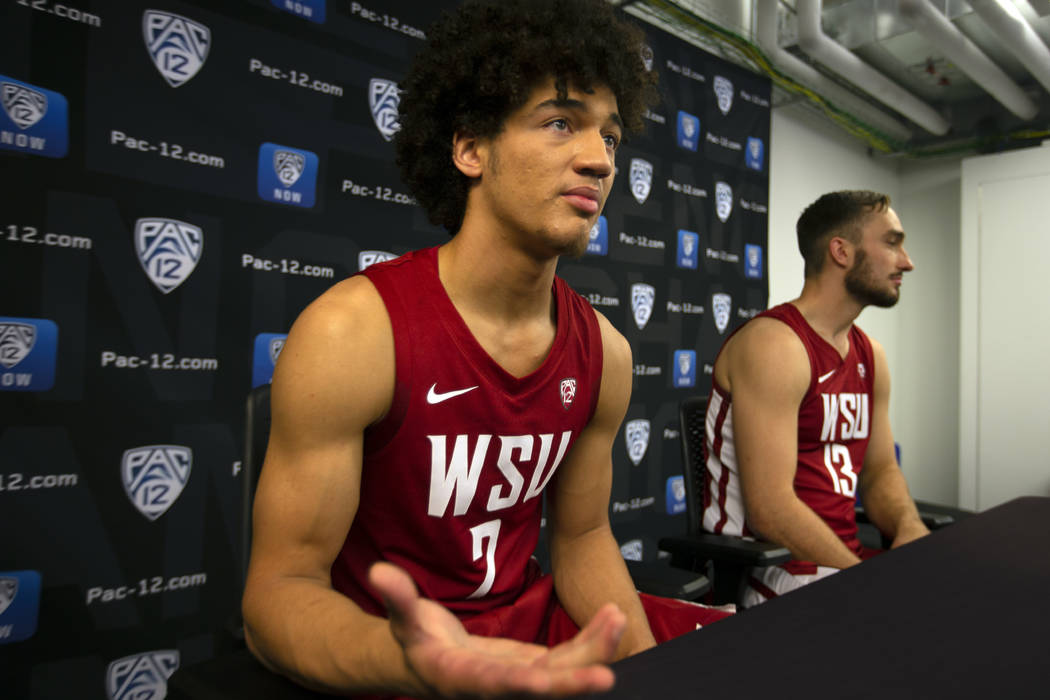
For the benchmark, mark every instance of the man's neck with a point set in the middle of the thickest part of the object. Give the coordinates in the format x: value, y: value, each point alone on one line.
x: 829, y: 309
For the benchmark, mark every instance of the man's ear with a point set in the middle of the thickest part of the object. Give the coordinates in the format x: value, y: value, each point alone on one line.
x: 840, y: 250
x: 467, y: 154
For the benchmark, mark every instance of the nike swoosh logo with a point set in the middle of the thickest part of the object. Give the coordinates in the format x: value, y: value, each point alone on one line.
x: 822, y: 379
x: 434, y: 397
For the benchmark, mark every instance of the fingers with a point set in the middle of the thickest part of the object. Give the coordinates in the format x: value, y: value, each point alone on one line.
x: 400, y: 597
x: 594, y: 644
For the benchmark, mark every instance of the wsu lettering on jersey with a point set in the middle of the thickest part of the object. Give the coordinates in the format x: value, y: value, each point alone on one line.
x: 853, y: 411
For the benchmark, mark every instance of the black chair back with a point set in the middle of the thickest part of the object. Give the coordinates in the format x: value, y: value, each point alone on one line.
x: 692, y: 418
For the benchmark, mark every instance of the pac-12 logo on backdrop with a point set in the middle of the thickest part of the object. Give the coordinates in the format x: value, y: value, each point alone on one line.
x: 723, y: 201
x: 33, y: 120
x: 28, y: 348
x: 647, y: 57
x: 631, y: 550
x: 177, y: 45
x: 598, y: 238
x: 688, y: 130
x: 141, y: 676
x: 368, y: 258
x: 675, y: 495
x: 313, y: 10
x: 755, y: 153
x: 753, y: 261
x: 19, y: 605
x: 684, y: 368
x: 168, y: 250
x: 641, y: 179
x: 268, y: 348
x: 643, y: 297
x: 723, y: 93
x: 287, y: 175
x: 154, y: 476
x: 722, y: 305
x: 636, y: 433
x: 688, y: 247
x: 384, y: 97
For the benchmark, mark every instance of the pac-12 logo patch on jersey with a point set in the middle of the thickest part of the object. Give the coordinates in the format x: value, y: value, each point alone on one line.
x: 642, y: 298
x: 168, y: 250
x: 384, y: 97
x: 141, y: 676
x: 177, y: 45
x: 568, y: 392
x: 28, y: 350
x: 19, y: 605
x: 723, y: 201
x: 33, y: 120
x: 636, y: 433
x: 641, y: 179
x: 722, y: 305
x: 154, y: 476
x: 723, y: 93
x: 368, y: 258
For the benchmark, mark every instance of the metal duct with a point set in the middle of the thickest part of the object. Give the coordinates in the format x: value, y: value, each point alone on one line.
x: 1018, y: 36
x: 822, y: 48
x: 939, y: 31
x: 766, y: 35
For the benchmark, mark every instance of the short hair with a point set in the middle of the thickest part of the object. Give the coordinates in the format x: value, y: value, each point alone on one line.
x: 834, y: 214
x: 482, y: 61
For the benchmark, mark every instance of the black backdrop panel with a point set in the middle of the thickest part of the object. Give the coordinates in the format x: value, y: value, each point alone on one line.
x: 179, y: 180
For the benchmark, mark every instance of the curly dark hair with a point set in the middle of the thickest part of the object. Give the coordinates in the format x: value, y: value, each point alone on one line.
x: 482, y: 61
x: 834, y: 214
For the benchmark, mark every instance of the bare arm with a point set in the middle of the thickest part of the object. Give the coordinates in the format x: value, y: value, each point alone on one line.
x: 883, y: 489
x: 768, y: 374
x: 588, y: 567
x: 335, y: 377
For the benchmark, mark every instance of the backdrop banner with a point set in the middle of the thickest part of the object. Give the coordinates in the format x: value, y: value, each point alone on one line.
x: 180, y: 179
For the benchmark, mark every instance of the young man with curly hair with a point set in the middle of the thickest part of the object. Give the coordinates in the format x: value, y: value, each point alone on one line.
x: 423, y: 409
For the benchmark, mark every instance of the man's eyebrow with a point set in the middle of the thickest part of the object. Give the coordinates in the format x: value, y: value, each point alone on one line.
x: 579, y: 105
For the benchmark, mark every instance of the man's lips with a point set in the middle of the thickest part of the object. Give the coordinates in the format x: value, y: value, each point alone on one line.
x: 583, y: 198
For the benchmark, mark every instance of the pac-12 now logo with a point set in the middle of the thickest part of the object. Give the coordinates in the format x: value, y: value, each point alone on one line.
x: 383, y: 101
x: 313, y: 10
x: 177, y: 45
x: 154, y: 476
x: 752, y: 261
x: 28, y: 348
x: 675, y: 495
x: 168, y: 250
x: 688, y: 130
x: 287, y: 175
x: 684, y: 368
x: 598, y: 238
x: 636, y: 433
x: 755, y: 153
x: 688, y: 247
x: 141, y: 676
x: 19, y: 605
x: 268, y: 348
x: 33, y: 120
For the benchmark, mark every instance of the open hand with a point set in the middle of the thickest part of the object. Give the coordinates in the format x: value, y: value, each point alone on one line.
x: 452, y: 663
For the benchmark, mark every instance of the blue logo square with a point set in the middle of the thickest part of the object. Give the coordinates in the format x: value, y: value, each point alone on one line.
x: 755, y: 153
x: 28, y: 348
x: 688, y: 249
x: 313, y: 10
x: 32, y: 119
x: 684, y: 368
x: 599, y: 238
x: 753, y: 262
x: 19, y: 605
x: 268, y: 347
x: 675, y: 495
x: 287, y: 175
x: 688, y: 131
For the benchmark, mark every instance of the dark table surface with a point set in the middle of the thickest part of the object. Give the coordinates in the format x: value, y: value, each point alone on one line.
x: 963, y: 613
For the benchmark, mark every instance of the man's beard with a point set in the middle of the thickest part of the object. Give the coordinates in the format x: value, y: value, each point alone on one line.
x: 862, y: 286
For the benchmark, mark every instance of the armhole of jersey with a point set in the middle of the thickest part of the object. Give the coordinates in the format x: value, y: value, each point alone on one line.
x: 379, y: 434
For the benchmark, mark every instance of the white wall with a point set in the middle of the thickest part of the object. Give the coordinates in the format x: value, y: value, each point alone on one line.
x: 810, y: 156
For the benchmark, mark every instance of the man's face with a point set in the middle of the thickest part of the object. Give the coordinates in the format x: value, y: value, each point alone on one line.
x: 547, y: 174
x: 880, y: 261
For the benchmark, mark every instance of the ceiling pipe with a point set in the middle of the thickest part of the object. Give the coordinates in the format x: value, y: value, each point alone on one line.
x: 1018, y: 36
x: 766, y: 35
x: 939, y: 31
x: 822, y: 48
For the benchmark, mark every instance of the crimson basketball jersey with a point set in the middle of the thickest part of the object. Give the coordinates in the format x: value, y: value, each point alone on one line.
x: 453, y: 476
x: 834, y: 425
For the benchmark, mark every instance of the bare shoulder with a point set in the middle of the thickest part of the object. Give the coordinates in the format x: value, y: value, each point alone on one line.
x: 616, y: 349
x: 617, y: 375
x: 765, y: 351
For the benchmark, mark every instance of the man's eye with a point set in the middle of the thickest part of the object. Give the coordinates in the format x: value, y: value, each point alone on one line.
x: 559, y: 124
x: 612, y: 141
